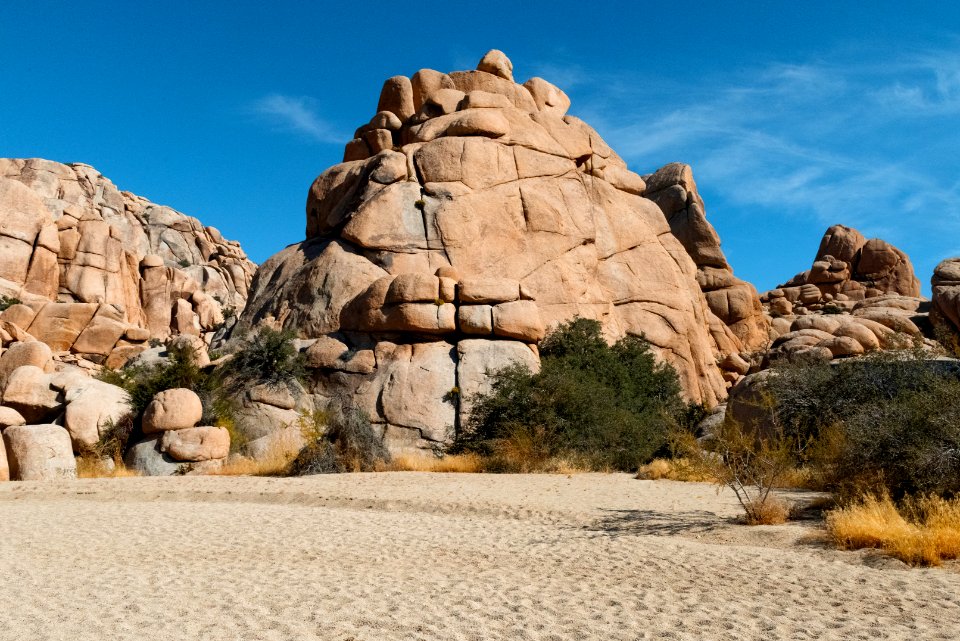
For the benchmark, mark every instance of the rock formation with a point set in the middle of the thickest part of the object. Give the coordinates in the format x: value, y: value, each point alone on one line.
x: 946, y: 296
x: 101, y: 271
x: 471, y: 214
x: 733, y: 301
x: 859, y: 296
x: 849, y: 268
x: 174, y: 444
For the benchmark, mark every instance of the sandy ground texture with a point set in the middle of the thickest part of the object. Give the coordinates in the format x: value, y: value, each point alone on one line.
x: 436, y: 556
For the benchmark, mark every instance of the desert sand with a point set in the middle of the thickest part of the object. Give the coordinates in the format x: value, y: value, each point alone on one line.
x: 437, y: 556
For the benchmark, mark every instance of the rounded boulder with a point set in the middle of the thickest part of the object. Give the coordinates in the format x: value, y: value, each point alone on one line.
x: 172, y: 409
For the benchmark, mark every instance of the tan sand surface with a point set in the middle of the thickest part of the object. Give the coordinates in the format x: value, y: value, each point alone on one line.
x: 436, y: 556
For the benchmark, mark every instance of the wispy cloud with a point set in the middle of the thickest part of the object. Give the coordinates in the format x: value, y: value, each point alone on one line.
x: 830, y: 141
x: 295, y: 114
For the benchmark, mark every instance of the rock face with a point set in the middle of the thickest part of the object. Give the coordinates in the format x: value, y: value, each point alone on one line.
x: 733, y: 301
x: 946, y: 295
x: 101, y: 271
x: 471, y: 209
x: 849, y: 268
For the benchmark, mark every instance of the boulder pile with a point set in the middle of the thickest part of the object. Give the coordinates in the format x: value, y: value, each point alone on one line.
x: 471, y: 214
x: 173, y: 441
x: 859, y: 296
x: 100, y: 272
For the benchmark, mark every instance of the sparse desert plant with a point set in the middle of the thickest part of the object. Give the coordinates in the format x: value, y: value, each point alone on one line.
x: 8, y: 301
x: 674, y: 469
x: 460, y: 463
x: 269, y: 357
x: 143, y: 382
x: 750, y: 463
x: 921, y: 531
x: 90, y: 467
x: 346, y: 442
x: 610, y: 407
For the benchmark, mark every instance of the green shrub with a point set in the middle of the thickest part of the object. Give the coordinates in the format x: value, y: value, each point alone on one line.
x: 8, y: 301
x: 341, y: 440
x: 143, y: 382
x: 611, y: 406
x: 269, y: 357
x: 886, y: 423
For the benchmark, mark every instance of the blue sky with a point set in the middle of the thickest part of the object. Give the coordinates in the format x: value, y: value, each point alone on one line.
x: 793, y: 115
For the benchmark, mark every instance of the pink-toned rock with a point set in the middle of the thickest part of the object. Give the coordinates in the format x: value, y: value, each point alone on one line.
x: 173, y: 409
x: 28, y: 392
x: 519, y: 319
x: 196, y: 443
x: 10, y: 416
x: 397, y: 97
x: 497, y: 63
x: 39, y: 453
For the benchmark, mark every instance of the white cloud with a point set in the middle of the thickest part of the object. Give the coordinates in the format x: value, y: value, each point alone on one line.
x: 296, y: 114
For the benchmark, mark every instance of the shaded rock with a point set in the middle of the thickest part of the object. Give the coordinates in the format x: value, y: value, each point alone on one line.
x: 146, y: 459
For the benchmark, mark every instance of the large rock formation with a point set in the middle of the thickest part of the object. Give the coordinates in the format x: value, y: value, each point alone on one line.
x: 469, y: 216
x: 733, y: 301
x: 859, y: 296
x: 850, y: 268
x: 100, y: 271
x: 946, y: 296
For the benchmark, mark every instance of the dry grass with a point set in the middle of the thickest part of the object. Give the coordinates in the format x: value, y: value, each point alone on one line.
x: 677, y: 469
x: 923, y: 531
x: 460, y: 463
x: 94, y: 468
x: 276, y: 461
x: 768, y: 511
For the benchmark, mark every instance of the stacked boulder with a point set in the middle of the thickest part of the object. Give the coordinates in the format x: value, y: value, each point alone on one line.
x: 945, y: 314
x: 50, y: 411
x: 847, y: 269
x: 859, y: 296
x: 733, y: 301
x: 100, y: 271
x: 174, y: 443
x: 469, y: 216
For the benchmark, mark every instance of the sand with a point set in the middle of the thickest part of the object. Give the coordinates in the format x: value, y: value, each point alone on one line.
x: 437, y: 556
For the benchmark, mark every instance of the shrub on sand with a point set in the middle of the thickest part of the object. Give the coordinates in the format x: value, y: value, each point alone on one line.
x: 340, y: 440
x: 459, y: 463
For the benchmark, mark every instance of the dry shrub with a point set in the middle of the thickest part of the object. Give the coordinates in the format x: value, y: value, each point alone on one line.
x: 769, y: 510
x: 468, y: 463
x: 922, y: 531
x: 675, y: 469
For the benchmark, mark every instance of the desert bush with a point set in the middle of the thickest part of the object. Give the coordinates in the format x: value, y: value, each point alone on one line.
x: 920, y: 531
x: 340, y: 440
x: 268, y: 357
x: 459, y: 463
x: 888, y: 423
x: 610, y: 406
x: 143, y: 382
x: 8, y: 301
x: 675, y: 469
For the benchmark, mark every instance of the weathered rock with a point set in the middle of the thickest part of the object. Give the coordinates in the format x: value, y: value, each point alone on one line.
x: 4, y: 464
x: 172, y: 409
x: 39, y: 452
x: 91, y: 406
x: 19, y: 354
x: 497, y: 63
x: 28, y: 391
x: 10, y: 416
x: 495, y: 215
x: 146, y: 459
x: 196, y: 443
x: 850, y: 265
x: 104, y: 262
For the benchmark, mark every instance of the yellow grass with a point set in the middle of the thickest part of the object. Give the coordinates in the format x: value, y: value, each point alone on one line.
x: 923, y: 531
x: 93, y: 468
x: 678, y: 469
x: 463, y: 463
x: 771, y: 511
x: 276, y: 461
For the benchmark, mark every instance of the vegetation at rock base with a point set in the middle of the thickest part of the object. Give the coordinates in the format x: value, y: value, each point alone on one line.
x: 603, y: 407
x: 339, y: 440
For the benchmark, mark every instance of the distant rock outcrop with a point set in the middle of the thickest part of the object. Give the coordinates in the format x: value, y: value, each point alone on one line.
x: 471, y: 214
x: 101, y: 271
x: 859, y: 296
